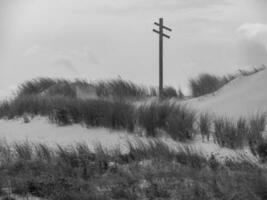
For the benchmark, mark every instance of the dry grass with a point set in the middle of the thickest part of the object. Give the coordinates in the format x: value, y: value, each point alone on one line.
x: 175, y: 119
x: 205, y: 126
x: 147, y: 171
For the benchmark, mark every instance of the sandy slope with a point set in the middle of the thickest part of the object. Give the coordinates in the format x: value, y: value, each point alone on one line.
x: 243, y: 96
x: 39, y: 130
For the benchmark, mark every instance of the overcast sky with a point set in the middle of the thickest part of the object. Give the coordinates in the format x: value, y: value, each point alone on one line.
x: 99, y: 39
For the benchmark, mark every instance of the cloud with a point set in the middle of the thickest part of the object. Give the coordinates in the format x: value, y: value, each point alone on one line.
x: 67, y: 64
x: 130, y: 6
x: 253, y: 30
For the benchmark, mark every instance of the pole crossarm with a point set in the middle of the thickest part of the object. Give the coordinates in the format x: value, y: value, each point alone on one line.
x: 162, y: 34
x: 165, y: 27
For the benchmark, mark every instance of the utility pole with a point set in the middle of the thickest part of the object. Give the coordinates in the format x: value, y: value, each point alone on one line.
x: 161, y: 35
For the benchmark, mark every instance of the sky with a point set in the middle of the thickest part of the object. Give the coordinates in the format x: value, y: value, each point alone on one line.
x: 103, y: 39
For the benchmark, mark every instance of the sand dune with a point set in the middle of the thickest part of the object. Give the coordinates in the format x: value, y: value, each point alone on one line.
x: 244, y: 96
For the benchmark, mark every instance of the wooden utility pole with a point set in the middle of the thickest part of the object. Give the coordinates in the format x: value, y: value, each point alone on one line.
x: 161, y: 35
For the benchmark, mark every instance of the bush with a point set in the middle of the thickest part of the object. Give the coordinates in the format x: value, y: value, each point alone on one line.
x: 180, y: 94
x: 119, y: 88
x: 115, y: 88
x: 205, y: 84
x: 123, y: 116
x: 62, y: 88
x: 31, y: 104
x: 36, y: 86
x: 176, y: 120
x: 169, y: 92
x: 205, y: 126
x: 97, y: 113
x: 230, y: 134
x: 60, y: 116
x: 51, y: 87
x: 262, y: 151
x: 257, y: 125
x: 180, y: 123
x: 238, y: 134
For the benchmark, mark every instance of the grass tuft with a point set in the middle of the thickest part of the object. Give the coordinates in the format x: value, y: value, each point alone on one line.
x: 205, y: 126
x: 176, y: 120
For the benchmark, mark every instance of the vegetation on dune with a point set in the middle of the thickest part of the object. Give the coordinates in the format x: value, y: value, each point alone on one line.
x: 257, y: 125
x: 230, y: 134
x: 120, y: 88
x: 115, y: 88
x: 169, y: 92
x: 147, y: 171
x: 205, y: 126
x: 57, y: 99
x: 36, y: 86
x: 261, y: 150
x: 175, y: 119
x: 207, y: 83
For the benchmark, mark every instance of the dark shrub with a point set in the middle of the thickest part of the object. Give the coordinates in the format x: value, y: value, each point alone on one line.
x: 205, y: 84
x: 153, y: 91
x: 180, y: 123
x: 31, y: 104
x: 180, y: 94
x: 5, y: 110
x: 262, y: 151
x: 230, y: 134
x: 123, y: 116
x: 60, y: 116
x: 257, y: 125
x: 205, y: 126
x: 169, y: 92
x: 96, y: 113
x: 36, y: 86
x: 148, y: 118
x: 62, y: 88
x: 176, y: 120
x: 120, y: 88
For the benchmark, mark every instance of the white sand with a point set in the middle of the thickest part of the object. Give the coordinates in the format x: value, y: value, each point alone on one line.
x: 39, y: 130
